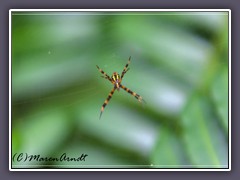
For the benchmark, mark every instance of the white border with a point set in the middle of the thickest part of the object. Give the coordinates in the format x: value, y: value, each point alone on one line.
x: 119, y: 10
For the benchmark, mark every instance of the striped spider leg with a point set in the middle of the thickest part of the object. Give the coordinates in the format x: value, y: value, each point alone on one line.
x: 137, y: 96
x: 126, y: 68
x: 116, y: 80
x: 106, y: 101
x: 105, y: 75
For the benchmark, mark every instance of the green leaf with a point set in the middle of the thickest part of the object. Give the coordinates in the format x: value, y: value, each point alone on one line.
x: 220, y: 96
x: 204, y: 139
x: 42, y: 133
x: 168, y: 152
x: 118, y: 126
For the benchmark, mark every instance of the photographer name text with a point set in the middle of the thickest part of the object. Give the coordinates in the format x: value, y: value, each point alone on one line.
x: 25, y: 157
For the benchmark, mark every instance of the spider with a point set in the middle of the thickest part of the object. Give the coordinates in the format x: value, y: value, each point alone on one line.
x: 116, y: 80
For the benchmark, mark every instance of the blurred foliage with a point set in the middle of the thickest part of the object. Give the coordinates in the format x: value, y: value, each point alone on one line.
x: 179, y: 66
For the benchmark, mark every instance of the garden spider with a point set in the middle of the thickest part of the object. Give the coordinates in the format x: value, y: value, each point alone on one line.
x: 116, y: 80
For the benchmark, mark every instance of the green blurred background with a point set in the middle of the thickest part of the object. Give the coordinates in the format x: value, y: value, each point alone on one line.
x: 179, y: 66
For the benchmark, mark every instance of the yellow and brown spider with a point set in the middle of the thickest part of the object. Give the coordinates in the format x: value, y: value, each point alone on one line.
x: 116, y: 80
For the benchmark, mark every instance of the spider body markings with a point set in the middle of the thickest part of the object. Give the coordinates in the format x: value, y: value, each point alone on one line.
x: 116, y: 80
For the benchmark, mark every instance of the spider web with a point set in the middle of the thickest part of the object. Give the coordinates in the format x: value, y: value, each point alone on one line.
x: 78, y: 94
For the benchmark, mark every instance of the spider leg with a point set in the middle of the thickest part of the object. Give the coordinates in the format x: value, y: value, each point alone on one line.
x: 105, y: 77
x: 104, y: 74
x: 106, y: 101
x: 138, y: 97
x: 126, y: 68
